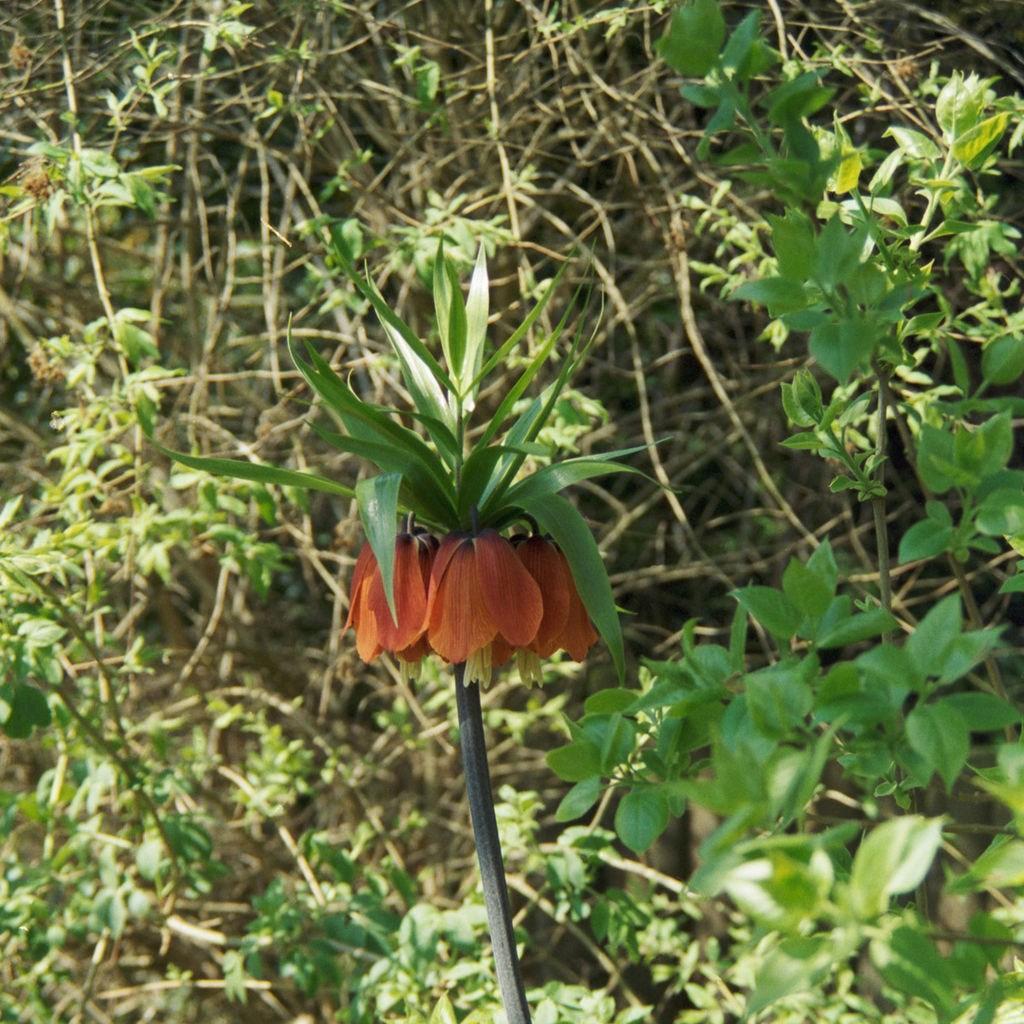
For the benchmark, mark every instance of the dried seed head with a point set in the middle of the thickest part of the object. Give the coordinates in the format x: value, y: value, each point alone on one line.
x: 20, y: 54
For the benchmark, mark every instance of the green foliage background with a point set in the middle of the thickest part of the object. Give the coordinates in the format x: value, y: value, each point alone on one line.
x: 206, y: 800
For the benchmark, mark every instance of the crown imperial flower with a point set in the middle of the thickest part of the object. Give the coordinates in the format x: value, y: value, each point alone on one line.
x: 477, y: 599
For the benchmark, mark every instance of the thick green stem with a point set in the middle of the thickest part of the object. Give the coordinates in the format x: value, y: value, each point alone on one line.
x: 488, y: 848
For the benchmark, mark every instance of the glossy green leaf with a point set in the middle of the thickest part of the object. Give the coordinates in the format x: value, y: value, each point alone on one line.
x: 427, y: 395
x: 913, y: 143
x: 960, y: 103
x: 443, y: 306
x: 509, y: 345
x: 22, y: 709
x: 977, y: 143
x: 450, y: 311
x: 377, y: 498
x: 579, y: 799
x: 938, y: 734
x: 563, y: 522
x: 857, y: 628
x: 892, y: 859
x: 694, y: 37
x: 771, y: 608
x: 642, y: 815
x: 576, y: 761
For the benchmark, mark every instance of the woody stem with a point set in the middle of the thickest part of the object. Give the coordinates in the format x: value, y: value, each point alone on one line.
x: 488, y: 848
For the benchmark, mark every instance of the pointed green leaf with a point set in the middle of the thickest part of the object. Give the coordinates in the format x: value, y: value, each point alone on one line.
x: 430, y: 503
x: 535, y: 421
x: 375, y: 423
x: 257, y: 471
x: 580, y: 799
x: 477, y: 308
x: 576, y: 761
x: 456, y: 324
x: 477, y: 473
x: 515, y: 392
x: 856, y: 628
x: 442, y: 302
x: 694, y: 37
x: 771, y: 608
x: 444, y: 1012
x: 509, y: 345
x: 559, y: 518
x: 370, y: 292
x: 378, y: 509
x: 892, y: 859
x: 552, y: 479
x: 426, y: 394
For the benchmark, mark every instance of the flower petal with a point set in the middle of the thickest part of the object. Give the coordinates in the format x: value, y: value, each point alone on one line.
x: 367, y: 642
x: 501, y: 651
x: 410, y: 598
x: 546, y: 564
x: 365, y: 563
x: 415, y: 651
x: 439, y: 565
x: 512, y: 598
x: 458, y: 622
x: 579, y: 634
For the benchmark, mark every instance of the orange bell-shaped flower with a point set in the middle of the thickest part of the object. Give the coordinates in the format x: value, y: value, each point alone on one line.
x: 368, y: 610
x: 565, y: 624
x: 480, y: 594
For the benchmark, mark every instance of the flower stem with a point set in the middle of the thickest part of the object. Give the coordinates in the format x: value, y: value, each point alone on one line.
x: 488, y: 848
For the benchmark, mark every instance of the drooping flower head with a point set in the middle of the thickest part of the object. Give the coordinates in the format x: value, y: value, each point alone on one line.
x: 476, y: 599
